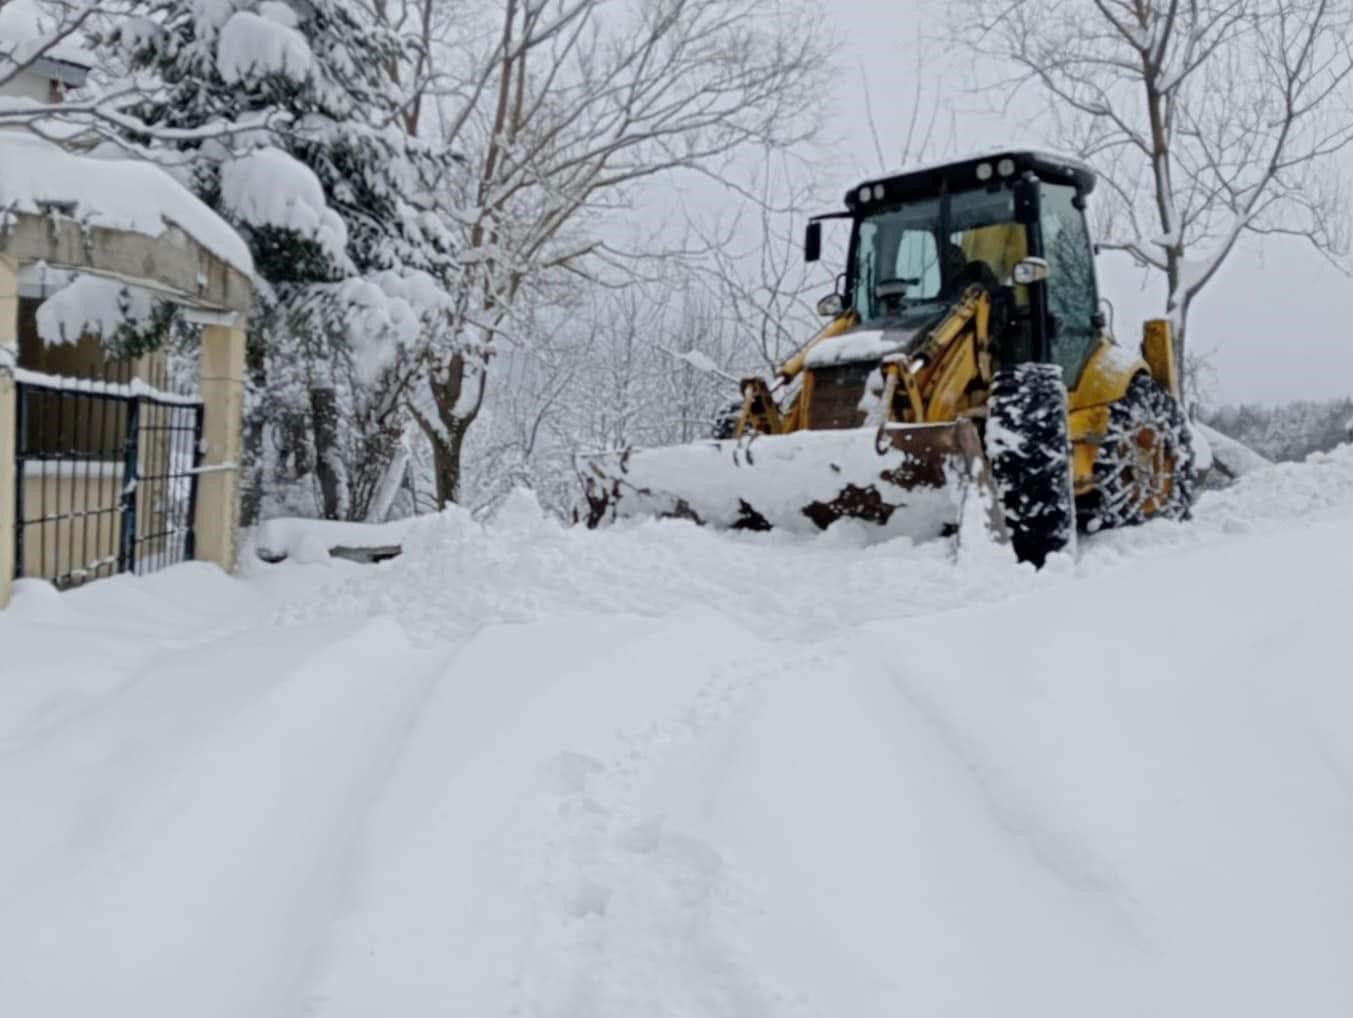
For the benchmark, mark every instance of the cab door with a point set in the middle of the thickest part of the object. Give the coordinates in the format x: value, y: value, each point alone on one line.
x: 1073, y: 298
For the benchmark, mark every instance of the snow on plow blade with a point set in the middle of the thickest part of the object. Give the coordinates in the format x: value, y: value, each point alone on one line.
x: 910, y: 480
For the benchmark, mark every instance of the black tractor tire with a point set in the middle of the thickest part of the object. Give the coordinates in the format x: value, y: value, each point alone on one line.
x: 1029, y: 448
x: 1145, y: 466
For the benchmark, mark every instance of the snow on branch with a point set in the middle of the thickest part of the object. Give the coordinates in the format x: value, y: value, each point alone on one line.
x: 269, y: 188
x: 252, y: 46
x: 93, y: 306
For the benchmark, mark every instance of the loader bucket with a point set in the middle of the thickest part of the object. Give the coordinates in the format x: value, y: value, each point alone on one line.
x: 909, y: 480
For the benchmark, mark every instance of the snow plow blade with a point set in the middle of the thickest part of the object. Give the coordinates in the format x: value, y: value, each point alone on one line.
x: 907, y: 479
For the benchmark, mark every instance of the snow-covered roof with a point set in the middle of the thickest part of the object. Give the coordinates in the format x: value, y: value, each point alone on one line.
x: 117, y: 194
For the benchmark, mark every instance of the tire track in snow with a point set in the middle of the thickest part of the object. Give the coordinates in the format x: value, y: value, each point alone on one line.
x: 645, y: 905
x: 68, y: 791
x: 234, y: 855
x: 511, y: 870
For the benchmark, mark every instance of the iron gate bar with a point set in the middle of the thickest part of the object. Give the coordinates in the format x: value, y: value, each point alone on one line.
x: 127, y: 499
x: 96, y: 450
x: 164, y: 520
x: 199, y: 448
x: 20, y: 475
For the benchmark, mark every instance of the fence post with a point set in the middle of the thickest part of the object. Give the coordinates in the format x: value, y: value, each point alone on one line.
x: 9, y: 479
x: 131, y: 483
x: 218, y: 488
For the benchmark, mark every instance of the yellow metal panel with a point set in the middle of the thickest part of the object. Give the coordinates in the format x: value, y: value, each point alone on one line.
x: 835, y: 327
x: 1106, y: 377
x: 953, y: 374
x: 1158, y: 351
x: 799, y: 418
x: 1087, y: 428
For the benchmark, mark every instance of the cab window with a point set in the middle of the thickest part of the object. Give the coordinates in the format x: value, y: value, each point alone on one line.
x: 1072, y: 298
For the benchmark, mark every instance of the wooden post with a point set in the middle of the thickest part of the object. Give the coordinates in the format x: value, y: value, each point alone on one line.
x: 9, y: 480
x: 218, y: 487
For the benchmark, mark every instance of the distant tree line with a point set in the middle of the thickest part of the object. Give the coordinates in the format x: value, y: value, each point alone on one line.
x: 1287, y: 431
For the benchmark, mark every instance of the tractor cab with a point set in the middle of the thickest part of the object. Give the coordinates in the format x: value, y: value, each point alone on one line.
x: 1014, y: 221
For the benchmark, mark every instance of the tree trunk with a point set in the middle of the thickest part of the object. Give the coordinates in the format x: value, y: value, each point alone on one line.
x: 446, y: 465
x: 457, y: 395
x: 328, y: 463
x: 1188, y: 384
x: 387, y: 487
x: 255, y: 421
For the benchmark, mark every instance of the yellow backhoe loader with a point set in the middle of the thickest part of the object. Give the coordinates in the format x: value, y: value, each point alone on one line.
x: 966, y: 356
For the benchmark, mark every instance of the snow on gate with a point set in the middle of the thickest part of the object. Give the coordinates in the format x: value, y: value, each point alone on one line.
x: 111, y: 476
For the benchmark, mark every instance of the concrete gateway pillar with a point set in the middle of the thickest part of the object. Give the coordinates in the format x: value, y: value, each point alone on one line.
x: 218, y: 486
x: 9, y: 481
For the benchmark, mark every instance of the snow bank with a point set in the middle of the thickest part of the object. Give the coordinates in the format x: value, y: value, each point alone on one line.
x: 1235, y: 458
x: 458, y: 575
x: 311, y: 541
x: 117, y: 194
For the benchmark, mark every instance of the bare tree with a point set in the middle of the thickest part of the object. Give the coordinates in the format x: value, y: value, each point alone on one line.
x: 1207, y: 119
x: 648, y: 363
x: 558, y: 117
x: 754, y: 263
x: 925, y: 106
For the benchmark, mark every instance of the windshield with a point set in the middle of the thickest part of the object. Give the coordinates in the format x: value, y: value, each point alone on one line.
x: 918, y: 250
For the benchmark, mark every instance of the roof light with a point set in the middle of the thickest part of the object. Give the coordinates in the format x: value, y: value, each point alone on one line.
x: 1006, y: 167
x: 984, y: 171
x: 878, y: 192
x: 865, y: 193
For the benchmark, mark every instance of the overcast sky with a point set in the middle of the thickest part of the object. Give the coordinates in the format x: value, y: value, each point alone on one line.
x: 1278, y: 316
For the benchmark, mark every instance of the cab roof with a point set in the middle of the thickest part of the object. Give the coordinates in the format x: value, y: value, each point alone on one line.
x: 962, y: 174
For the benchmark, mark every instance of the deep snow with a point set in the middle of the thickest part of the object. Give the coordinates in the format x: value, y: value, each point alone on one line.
x: 536, y: 771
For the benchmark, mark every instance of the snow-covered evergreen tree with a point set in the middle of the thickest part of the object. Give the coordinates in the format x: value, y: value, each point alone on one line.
x: 337, y: 203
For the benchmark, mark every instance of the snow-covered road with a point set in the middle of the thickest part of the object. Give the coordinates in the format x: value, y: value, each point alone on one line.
x: 528, y: 771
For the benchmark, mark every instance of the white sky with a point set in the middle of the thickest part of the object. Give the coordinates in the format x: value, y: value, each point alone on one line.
x: 1277, y: 315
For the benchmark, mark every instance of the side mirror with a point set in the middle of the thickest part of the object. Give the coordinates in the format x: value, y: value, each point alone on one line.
x: 812, y: 242
x: 1030, y: 270
x: 831, y: 305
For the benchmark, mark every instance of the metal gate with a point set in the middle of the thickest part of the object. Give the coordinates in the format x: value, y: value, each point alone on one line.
x: 106, y: 478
